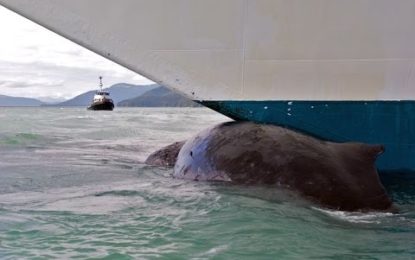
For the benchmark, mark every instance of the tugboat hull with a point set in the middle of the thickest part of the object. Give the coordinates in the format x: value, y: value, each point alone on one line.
x: 109, y: 106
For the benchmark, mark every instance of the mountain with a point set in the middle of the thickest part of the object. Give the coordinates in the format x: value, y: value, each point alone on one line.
x: 158, y: 97
x: 7, y: 101
x: 118, y: 92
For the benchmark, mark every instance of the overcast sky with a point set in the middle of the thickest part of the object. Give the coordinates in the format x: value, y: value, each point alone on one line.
x: 35, y: 62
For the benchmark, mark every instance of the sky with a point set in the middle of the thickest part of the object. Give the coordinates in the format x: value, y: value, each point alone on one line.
x: 37, y: 63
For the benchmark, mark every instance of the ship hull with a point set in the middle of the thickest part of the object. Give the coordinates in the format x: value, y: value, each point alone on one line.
x: 391, y: 123
x: 107, y: 106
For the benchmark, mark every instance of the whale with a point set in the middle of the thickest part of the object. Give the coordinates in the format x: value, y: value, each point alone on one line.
x: 338, y: 176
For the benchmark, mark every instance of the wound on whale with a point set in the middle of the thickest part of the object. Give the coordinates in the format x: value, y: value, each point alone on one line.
x: 339, y: 176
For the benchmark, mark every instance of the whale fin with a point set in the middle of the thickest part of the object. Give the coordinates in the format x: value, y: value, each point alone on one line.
x: 374, y: 151
x: 368, y: 152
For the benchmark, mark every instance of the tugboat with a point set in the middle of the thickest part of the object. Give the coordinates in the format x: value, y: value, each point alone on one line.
x: 102, y: 100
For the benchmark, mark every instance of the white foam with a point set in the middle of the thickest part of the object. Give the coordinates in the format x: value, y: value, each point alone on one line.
x: 356, y: 217
x: 212, y: 252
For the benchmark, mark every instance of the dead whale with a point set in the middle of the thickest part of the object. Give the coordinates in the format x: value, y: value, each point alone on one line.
x: 339, y: 176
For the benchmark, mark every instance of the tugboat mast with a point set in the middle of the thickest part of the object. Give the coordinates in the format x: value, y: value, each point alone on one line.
x: 100, y: 83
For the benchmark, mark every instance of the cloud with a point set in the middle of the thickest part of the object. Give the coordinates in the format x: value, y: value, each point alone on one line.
x: 42, y: 79
x: 18, y: 85
x: 35, y: 62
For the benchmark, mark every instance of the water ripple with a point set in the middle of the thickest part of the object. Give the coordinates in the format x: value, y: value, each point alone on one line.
x: 75, y: 190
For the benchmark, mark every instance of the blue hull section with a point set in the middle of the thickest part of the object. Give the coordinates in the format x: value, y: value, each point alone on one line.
x: 391, y: 123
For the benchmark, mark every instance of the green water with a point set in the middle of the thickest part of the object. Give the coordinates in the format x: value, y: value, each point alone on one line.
x: 73, y: 186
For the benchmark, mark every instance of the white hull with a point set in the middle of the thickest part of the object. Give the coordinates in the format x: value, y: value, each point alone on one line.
x: 248, y: 49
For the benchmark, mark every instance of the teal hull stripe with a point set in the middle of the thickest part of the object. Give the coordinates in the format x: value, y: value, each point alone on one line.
x: 391, y: 123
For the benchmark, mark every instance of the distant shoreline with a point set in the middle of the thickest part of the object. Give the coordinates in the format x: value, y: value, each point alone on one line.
x: 122, y: 94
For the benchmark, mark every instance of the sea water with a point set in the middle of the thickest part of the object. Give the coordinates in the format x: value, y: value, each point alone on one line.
x: 73, y: 186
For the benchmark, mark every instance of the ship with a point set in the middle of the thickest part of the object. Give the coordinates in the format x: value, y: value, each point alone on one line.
x: 340, y: 70
x: 102, y: 100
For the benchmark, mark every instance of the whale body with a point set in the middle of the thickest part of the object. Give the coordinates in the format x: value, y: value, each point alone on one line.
x: 339, y: 176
